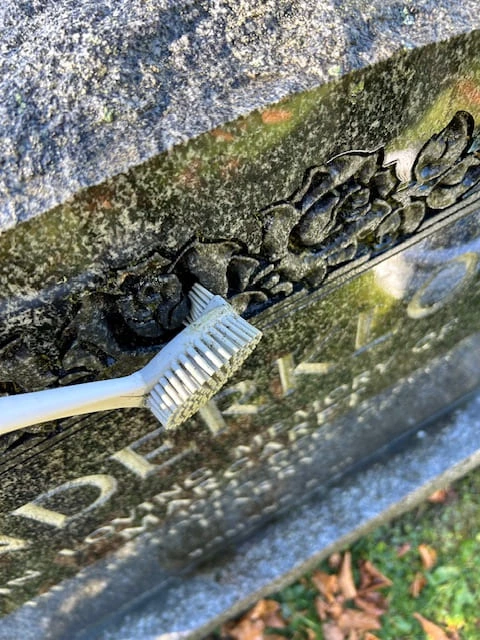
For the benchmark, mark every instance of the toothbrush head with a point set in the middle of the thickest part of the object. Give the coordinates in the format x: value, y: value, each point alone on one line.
x: 198, y: 361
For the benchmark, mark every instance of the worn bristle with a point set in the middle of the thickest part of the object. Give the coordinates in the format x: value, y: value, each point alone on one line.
x: 199, y: 372
x: 199, y: 300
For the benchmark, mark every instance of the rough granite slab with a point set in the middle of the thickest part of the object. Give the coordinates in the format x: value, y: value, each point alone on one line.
x: 90, y: 89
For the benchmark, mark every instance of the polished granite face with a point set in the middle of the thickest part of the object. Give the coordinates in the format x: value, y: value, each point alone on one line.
x: 360, y: 267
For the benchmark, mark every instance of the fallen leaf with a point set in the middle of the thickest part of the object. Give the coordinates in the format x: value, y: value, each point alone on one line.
x: 335, y: 560
x: 417, y: 585
x: 327, y: 610
x: 251, y: 626
x: 275, y: 116
x: 223, y: 136
x: 469, y: 90
x: 332, y: 632
x: 269, y: 612
x: 433, y: 631
x: 335, y: 609
x: 428, y: 556
x: 370, y: 606
x: 351, y: 619
x: 370, y: 636
x: 371, y: 578
x: 438, y: 497
x: 311, y: 635
x: 345, y: 577
x: 403, y: 549
x: 244, y: 629
x: 321, y: 608
x: 327, y: 584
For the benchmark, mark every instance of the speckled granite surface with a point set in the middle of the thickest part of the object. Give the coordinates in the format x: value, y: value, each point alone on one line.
x: 90, y: 89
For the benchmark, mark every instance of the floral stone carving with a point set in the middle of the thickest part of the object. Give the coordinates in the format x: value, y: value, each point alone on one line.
x: 352, y: 207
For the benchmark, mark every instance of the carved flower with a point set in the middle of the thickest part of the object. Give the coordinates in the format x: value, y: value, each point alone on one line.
x: 151, y: 301
x: 225, y: 269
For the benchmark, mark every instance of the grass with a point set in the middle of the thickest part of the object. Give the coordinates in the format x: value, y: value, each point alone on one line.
x: 451, y: 595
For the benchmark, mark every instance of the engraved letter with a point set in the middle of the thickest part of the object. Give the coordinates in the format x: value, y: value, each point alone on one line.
x: 107, y: 485
x: 8, y: 544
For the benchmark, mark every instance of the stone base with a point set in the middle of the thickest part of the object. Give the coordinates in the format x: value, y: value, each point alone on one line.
x: 192, y: 605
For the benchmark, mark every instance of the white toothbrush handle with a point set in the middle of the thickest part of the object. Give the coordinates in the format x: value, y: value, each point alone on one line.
x: 28, y: 409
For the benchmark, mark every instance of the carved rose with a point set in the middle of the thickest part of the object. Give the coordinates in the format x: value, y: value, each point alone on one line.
x: 151, y: 301
x: 224, y: 269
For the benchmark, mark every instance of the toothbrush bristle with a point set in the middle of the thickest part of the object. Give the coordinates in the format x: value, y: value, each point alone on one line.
x: 202, y: 369
x: 199, y: 299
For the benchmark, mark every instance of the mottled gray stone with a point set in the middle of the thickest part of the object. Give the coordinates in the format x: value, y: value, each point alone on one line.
x: 91, y: 89
x: 192, y: 605
x: 93, y: 94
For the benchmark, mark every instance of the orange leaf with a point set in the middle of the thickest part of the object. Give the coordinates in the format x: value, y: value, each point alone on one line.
x: 370, y: 636
x: 251, y: 626
x: 332, y: 632
x: 321, y: 608
x: 428, y: 556
x: 403, y: 549
x: 375, y: 609
x: 275, y: 116
x: 335, y: 609
x: 417, y: 585
x: 371, y: 578
x: 345, y: 577
x: 327, y: 584
x: 268, y: 611
x: 438, y: 497
x: 245, y: 629
x: 223, y: 136
x: 433, y: 631
x: 358, y: 621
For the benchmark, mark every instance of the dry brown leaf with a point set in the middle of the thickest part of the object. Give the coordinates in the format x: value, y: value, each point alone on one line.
x: 417, y: 585
x: 439, y: 496
x: 331, y: 631
x: 428, y: 556
x: 374, y: 597
x: 245, y: 629
x: 370, y: 636
x: 327, y: 584
x: 321, y: 608
x: 269, y: 612
x: 311, y: 635
x: 335, y: 560
x: 371, y: 578
x: 370, y: 606
x: 335, y: 609
x: 433, y: 631
x: 345, y: 577
x: 328, y: 610
x: 275, y: 116
x: 222, y: 135
x: 351, y: 619
x: 403, y: 549
x: 266, y: 613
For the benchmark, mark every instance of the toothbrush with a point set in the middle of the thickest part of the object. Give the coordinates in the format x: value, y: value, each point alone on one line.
x: 186, y: 373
